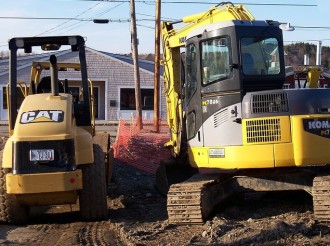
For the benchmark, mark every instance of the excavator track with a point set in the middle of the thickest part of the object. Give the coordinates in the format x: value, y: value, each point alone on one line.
x: 191, y: 201
x: 321, y: 198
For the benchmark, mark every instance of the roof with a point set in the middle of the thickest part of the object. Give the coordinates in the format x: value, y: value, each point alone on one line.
x: 144, y: 64
x: 25, y: 61
x: 326, y: 73
x: 289, y: 71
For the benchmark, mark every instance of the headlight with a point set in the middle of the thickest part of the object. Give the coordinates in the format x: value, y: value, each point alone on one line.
x: 19, y: 43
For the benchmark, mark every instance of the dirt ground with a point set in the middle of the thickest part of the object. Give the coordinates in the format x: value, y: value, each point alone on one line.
x: 137, y: 216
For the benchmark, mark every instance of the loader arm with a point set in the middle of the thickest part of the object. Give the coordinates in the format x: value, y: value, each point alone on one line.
x: 173, y: 40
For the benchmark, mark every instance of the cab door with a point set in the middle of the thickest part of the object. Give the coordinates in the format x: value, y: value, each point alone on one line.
x: 193, y: 96
x: 220, y: 93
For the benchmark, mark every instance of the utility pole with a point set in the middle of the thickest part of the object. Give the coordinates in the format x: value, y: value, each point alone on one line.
x: 157, y: 60
x: 136, y: 65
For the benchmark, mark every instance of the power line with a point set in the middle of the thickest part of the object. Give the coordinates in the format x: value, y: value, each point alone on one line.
x: 44, y: 18
x: 68, y: 20
x: 150, y: 27
x: 168, y: 19
x: 122, y: 20
x: 312, y: 27
x: 78, y: 25
x: 119, y: 20
x: 214, y: 3
x: 108, y: 10
x: 73, y: 27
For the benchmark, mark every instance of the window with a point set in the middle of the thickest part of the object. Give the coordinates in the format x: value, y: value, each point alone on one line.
x: 215, y: 60
x: 191, y: 64
x: 127, y: 99
x: 76, y: 93
x: 260, y: 56
x: 96, y: 101
x: 286, y: 86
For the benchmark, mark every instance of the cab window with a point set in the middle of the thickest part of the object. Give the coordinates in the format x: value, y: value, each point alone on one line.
x: 215, y: 59
x: 260, y: 56
x: 191, y: 66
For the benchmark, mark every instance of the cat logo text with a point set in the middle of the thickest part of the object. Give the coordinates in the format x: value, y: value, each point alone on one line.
x: 38, y: 116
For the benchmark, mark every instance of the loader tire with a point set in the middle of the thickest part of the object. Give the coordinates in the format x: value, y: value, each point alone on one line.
x: 93, y: 196
x: 103, y: 139
x: 109, y: 166
x: 10, y: 210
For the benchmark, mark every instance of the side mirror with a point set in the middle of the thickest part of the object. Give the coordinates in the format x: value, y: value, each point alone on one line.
x: 286, y: 27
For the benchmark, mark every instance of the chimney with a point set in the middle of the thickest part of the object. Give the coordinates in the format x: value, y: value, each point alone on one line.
x: 318, y: 53
x: 306, y: 59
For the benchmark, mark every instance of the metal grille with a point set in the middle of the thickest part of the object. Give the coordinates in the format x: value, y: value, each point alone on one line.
x: 270, y: 103
x: 260, y: 131
x: 220, y: 118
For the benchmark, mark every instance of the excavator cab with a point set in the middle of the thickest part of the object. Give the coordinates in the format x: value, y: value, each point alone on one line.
x: 224, y: 61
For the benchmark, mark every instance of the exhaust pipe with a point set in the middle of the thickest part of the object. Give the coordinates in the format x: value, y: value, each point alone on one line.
x: 54, y: 75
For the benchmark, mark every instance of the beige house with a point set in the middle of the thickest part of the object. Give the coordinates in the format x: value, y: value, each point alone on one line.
x: 113, y: 82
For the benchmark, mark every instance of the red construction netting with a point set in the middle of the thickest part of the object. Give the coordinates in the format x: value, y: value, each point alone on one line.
x: 142, y: 149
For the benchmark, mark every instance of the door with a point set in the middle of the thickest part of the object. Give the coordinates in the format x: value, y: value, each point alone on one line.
x: 193, y: 97
x: 96, y: 90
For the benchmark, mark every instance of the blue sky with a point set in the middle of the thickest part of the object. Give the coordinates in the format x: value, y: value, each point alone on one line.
x: 115, y: 37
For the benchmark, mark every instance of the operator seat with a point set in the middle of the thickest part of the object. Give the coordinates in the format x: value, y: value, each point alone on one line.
x: 44, y: 85
x: 248, y: 64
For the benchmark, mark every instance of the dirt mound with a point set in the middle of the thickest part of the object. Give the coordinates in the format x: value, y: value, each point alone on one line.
x: 258, y: 218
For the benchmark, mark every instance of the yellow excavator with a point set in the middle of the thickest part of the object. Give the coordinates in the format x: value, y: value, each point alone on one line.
x: 51, y: 156
x: 233, y: 128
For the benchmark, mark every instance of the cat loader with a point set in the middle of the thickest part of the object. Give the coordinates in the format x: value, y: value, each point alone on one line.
x: 233, y: 128
x: 51, y: 157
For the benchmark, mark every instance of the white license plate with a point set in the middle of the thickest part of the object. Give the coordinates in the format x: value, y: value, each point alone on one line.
x: 41, y: 155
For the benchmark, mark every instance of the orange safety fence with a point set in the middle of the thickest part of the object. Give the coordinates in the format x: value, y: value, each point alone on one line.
x: 142, y: 149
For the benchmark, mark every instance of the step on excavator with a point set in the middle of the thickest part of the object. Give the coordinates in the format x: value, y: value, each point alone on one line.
x: 53, y: 155
x: 233, y: 127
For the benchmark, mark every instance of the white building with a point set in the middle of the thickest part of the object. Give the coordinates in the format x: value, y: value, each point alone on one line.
x: 113, y: 82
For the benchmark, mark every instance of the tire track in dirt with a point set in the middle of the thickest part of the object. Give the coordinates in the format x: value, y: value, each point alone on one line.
x: 90, y: 235
x: 60, y: 228
x: 137, y: 217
